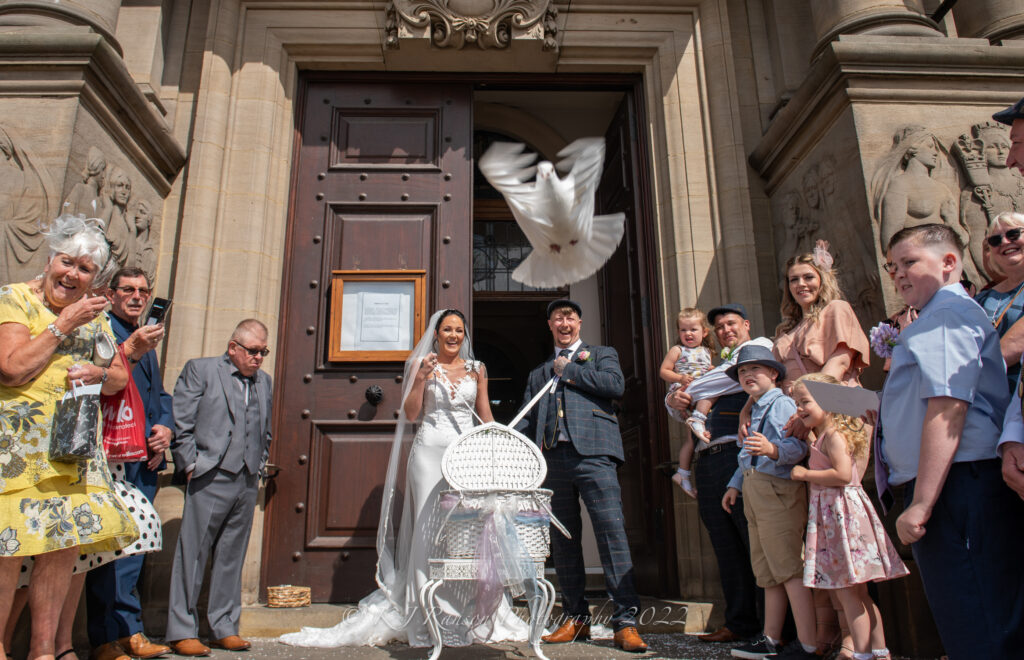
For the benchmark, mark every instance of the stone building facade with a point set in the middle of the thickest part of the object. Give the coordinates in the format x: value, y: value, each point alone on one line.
x: 252, y: 154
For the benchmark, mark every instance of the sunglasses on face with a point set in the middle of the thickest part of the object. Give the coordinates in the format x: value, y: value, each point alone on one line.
x: 253, y: 352
x: 1011, y: 235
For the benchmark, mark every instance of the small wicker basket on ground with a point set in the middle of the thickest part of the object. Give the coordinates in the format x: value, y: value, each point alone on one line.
x: 285, y: 595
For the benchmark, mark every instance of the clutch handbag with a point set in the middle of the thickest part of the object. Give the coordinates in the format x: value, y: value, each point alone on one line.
x: 103, y: 350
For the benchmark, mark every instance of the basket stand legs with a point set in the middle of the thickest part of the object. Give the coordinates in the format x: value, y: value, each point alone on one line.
x: 541, y: 604
x: 427, y: 592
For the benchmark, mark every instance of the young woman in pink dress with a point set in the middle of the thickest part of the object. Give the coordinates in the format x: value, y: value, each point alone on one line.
x: 846, y: 546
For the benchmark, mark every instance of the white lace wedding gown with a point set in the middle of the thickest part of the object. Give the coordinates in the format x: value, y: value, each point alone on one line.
x: 378, y: 620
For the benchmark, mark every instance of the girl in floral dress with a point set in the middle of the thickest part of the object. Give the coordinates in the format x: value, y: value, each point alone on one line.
x: 846, y: 545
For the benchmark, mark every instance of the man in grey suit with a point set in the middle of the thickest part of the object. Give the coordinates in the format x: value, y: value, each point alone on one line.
x: 577, y: 429
x: 222, y: 414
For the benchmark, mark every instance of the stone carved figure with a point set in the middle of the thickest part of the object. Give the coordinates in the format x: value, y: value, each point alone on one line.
x: 814, y: 211
x: 120, y: 227
x: 989, y: 186
x: 145, y: 252
x: 25, y: 191
x: 84, y: 197
x: 905, y: 190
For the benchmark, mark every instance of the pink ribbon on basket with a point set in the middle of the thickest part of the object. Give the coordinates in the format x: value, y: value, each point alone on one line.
x: 503, y: 560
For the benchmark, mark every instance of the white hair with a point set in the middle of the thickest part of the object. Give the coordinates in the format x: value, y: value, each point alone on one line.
x: 78, y: 236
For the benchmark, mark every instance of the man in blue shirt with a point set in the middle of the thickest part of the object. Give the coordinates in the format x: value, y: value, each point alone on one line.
x: 115, y: 613
x: 941, y: 413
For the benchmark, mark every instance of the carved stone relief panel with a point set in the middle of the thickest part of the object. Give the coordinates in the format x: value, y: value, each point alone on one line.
x: 486, y: 23
x: 819, y: 202
x: 26, y: 198
x: 963, y: 185
x: 989, y: 187
x: 106, y: 192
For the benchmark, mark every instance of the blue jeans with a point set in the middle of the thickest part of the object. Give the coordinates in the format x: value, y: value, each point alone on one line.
x: 972, y: 563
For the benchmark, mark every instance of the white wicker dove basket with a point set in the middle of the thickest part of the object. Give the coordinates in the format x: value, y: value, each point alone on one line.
x: 494, y: 466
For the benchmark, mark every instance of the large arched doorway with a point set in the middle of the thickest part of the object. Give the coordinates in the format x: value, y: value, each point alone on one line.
x: 383, y: 181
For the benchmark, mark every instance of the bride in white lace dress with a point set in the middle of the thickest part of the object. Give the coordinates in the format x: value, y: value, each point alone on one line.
x: 447, y: 386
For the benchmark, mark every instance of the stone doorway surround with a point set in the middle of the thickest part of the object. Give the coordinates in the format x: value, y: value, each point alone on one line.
x: 234, y: 194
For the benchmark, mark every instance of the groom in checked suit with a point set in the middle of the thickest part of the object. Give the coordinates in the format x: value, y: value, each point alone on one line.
x: 576, y: 428
x: 222, y: 413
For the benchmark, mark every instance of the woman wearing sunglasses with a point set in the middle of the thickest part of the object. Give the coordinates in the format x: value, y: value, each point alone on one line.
x: 1004, y: 302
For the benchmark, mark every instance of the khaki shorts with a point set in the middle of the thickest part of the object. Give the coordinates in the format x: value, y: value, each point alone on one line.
x: 776, y: 511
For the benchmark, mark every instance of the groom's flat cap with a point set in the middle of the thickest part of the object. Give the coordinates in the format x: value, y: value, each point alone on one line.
x: 565, y: 302
x: 1015, y: 111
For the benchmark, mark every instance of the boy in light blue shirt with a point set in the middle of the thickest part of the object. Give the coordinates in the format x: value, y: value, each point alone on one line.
x: 941, y: 415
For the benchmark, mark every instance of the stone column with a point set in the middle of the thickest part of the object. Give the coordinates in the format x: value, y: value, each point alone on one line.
x: 100, y: 15
x: 995, y: 20
x: 890, y: 17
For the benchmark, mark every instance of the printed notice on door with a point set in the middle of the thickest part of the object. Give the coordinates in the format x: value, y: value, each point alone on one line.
x: 377, y: 316
x: 380, y: 317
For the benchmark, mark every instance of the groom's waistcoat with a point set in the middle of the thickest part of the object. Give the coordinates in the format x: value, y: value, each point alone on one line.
x: 590, y: 382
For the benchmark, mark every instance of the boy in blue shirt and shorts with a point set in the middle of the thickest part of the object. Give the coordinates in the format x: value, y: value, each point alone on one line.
x: 941, y: 414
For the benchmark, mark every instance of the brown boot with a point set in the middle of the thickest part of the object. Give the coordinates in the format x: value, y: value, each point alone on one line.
x: 139, y: 646
x: 109, y: 651
x: 628, y: 639
x: 190, y: 646
x: 230, y: 643
x: 570, y: 631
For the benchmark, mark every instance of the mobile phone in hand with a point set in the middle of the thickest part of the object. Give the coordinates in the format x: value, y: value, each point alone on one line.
x: 158, y: 311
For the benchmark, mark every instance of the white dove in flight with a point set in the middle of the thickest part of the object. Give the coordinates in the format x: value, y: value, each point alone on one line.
x: 556, y: 213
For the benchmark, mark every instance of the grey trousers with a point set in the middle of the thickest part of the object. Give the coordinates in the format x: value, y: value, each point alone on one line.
x: 217, y: 518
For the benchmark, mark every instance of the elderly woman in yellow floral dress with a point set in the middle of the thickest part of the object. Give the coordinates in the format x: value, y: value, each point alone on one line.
x: 51, y: 510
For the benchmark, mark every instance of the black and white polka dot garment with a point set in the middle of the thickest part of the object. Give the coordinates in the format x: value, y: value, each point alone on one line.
x: 142, y: 512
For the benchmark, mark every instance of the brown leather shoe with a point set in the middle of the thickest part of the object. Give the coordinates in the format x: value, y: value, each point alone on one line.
x: 722, y: 636
x: 628, y: 639
x: 190, y: 646
x: 109, y: 651
x: 570, y: 631
x: 139, y: 646
x: 230, y: 643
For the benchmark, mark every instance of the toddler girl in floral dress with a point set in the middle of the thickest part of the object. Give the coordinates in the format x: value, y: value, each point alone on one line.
x: 846, y: 546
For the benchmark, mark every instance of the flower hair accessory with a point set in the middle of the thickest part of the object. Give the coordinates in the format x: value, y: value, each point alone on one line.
x: 822, y: 258
x: 883, y: 339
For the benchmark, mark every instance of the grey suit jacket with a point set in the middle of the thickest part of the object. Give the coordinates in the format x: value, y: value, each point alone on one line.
x: 206, y: 399
x: 591, y: 383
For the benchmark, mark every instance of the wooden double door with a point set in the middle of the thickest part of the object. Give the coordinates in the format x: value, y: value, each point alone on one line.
x: 382, y: 180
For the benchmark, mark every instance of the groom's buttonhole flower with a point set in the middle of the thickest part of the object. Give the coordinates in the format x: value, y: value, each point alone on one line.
x: 726, y: 353
x: 583, y: 356
x: 883, y: 339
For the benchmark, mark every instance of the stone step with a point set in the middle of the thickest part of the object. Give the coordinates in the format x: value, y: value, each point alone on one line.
x: 656, y: 616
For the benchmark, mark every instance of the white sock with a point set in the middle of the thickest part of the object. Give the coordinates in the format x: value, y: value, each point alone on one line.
x: 774, y: 642
x: 864, y: 656
x: 812, y: 648
x: 880, y: 653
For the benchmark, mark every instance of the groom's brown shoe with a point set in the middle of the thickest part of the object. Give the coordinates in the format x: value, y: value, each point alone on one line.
x: 570, y: 631
x: 628, y: 639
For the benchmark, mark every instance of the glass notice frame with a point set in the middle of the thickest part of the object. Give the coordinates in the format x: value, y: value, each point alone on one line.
x: 376, y: 315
